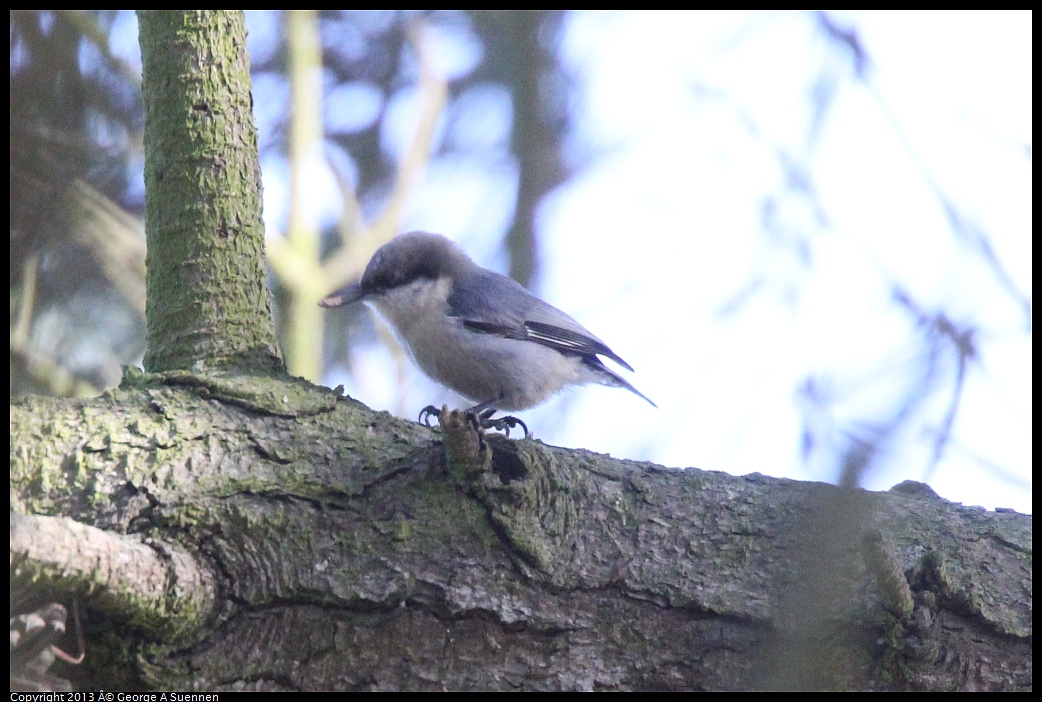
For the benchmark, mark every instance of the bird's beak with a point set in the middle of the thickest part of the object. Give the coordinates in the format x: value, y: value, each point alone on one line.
x: 344, y: 296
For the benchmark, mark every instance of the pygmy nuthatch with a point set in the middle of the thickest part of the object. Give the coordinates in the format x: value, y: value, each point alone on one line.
x: 476, y: 331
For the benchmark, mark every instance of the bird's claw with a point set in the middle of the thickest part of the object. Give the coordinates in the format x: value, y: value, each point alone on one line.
x: 426, y: 413
x: 504, y: 424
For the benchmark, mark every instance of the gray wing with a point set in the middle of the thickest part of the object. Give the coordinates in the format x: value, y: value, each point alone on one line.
x: 495, y: 304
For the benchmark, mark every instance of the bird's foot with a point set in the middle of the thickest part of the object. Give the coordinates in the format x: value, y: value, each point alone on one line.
x: 480, y: 420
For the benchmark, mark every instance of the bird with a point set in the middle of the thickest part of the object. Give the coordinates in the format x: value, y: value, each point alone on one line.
x: 478, y: 332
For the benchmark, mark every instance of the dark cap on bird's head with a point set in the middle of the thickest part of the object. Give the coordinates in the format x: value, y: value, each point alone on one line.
x: 403, y: 260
